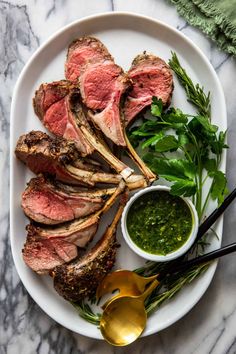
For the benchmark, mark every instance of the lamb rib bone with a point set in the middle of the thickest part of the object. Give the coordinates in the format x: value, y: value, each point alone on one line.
x: 56, y: 156
x: 149, y: 175
x: 93, y: 177
x: 133, y: 182
x: 95, y: 141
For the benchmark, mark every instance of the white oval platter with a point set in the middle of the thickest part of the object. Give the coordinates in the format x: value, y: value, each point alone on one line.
x: 125, y: 35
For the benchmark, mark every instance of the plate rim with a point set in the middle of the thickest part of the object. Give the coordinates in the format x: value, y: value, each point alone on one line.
x: 212, y: 268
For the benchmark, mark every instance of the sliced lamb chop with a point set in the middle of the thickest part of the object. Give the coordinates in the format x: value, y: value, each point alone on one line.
x: 102, y: 85
x: 43, y: 154
x: 42, y: 255
x: 80, y: 278
x: 51, y: 106
x: 151, y: 76
x: 59, y: 119
x: 80, y: 231
x: 48, y: 203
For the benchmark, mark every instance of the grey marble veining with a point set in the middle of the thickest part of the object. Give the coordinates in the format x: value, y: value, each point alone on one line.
x: 210, y: 327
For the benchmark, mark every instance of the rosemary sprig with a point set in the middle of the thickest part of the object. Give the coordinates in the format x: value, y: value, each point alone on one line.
x: 174, y: 285
x: 87, y: 313
x: 195, y: 93
x: 150, y: 268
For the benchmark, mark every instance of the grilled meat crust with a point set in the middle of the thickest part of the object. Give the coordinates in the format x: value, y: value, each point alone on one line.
x: 48, y: 94
x: 37, y: 142
x: 90, y: 42
x: 42, y: 154
x: 75, y: 282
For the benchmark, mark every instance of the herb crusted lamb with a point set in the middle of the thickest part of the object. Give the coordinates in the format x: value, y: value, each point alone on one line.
x: 80, y: 278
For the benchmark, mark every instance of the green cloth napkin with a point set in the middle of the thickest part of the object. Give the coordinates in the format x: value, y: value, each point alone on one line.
x: 216, y: 18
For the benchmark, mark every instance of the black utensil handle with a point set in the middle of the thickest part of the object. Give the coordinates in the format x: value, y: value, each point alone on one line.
x: 206, y: 257
x: 205, y: 226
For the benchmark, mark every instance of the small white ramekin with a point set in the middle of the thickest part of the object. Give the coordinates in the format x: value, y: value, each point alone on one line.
x: 155, y: 257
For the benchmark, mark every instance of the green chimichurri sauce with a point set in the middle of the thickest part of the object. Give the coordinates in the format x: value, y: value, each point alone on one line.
x: 159, y: 223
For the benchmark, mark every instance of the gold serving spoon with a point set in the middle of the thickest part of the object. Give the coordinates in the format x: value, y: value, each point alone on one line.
x: 124, y: 318
x: 128, y: 283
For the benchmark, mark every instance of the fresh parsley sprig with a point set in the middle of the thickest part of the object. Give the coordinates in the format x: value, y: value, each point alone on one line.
x: 196, y: 143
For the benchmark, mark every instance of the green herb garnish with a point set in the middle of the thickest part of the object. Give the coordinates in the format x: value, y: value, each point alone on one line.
x: 172, y: 286
x: 196, y: 143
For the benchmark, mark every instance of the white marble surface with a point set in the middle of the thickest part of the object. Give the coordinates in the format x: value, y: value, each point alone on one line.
x: 210, y: 327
